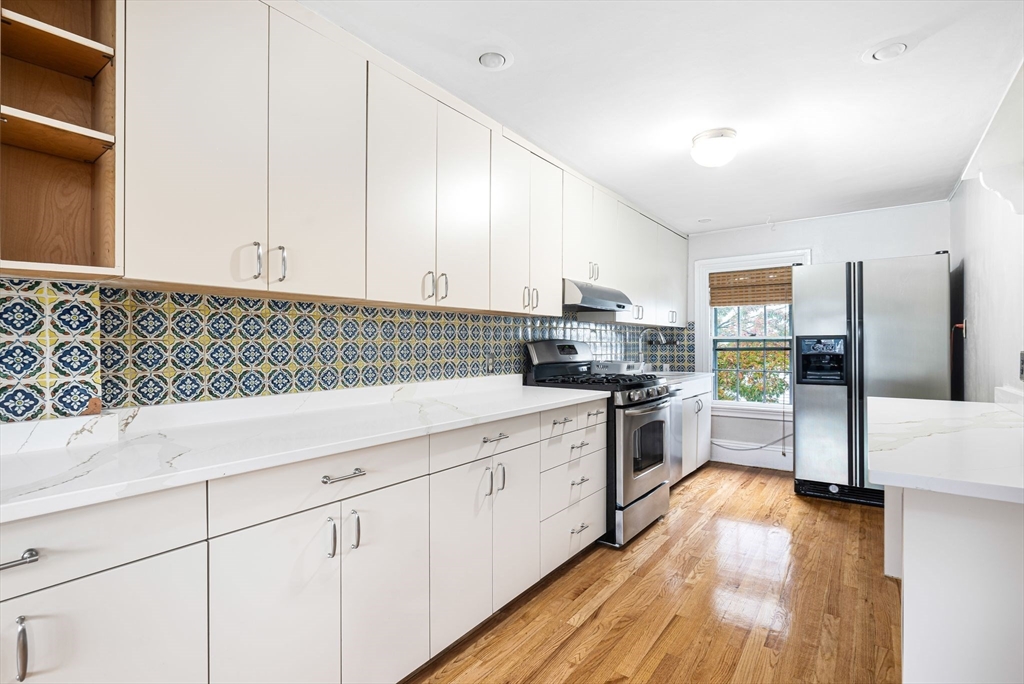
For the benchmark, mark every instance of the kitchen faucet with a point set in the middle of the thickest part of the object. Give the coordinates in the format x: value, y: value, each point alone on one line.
x: 661, y: 340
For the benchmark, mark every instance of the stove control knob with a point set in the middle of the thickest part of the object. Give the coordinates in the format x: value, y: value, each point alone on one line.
x: 636, y: 395
x: 662, y: 391
x: 651, y: 392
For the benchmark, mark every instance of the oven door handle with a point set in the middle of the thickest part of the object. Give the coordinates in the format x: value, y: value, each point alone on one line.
x: 643, y: 411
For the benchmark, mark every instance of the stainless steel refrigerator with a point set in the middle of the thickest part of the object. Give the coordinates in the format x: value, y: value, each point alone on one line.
x: 862, y: 329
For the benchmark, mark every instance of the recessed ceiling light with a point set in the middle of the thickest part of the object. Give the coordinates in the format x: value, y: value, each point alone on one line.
x: 492, y: 60
x: 889, y: 50
x: 703, y: 220
x: 716, y: 147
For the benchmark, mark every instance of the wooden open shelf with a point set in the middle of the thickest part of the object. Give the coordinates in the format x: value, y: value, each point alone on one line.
x: 59, y: 164
x: 42, y: 134
x: 35, y: 42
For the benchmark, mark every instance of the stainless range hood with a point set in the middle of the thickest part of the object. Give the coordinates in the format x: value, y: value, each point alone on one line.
x: 593, y: 302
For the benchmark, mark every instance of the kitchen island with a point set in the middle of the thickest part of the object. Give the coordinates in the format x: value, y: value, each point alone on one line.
x: 954, y: 479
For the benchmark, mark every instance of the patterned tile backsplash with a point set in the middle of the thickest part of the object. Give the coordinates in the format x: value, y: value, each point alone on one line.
x: 62, y: 344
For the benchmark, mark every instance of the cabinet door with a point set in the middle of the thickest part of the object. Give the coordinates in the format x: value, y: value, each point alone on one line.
x: 516, y: 523
x: 630, y: 276
x: 545, y: 237
x: 317, y: 164
x: 671, y: 278
x: 196, y: 142
x: 703, y: 429
x: 401, y: 191
x: 385, y: 583
x: 275, y: 601
x: 611, y: 249
x: 645, y: 280
x: 578, y: 244
x: 461, y: 505
x: 510, y: 226
x: 463, y: 211
x: 690, y: 429
x: 141, y: 622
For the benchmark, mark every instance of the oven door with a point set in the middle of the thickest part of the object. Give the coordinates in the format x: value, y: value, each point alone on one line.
x: 641, y: 450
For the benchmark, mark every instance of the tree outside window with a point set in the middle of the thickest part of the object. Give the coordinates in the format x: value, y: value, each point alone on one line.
x: 752, y: 353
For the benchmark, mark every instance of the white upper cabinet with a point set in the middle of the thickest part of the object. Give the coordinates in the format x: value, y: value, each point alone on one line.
x: 196, y: 142
x: 317, y: 210
x: 463, y: 211
x: 579, y: 248
x: 401, y: 191
x: 510, y: 226
x: 545, y: 237
x: 670, y: 260
x: 609, y: 251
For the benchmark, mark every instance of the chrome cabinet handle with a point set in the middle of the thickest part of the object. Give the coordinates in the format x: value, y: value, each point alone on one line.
x: 651, y: 409
x: 582, y: 527
x: 501, y: 436
x: 582, y: 480
x: 30, y: 556
x: 445, y: 276
x: 327, y: 479
x: 696, y: 406
x: 284, y: 263
x: 641, y: 312
x: 359, y: 530
x: 490, y: 482
x: 578, y: 446
x: 700, y: 405
x: 564, y: 421
x: 433, y: 285
x: 536, y: 298
x: 259, y: 260
x: 333, y: 547
x: 598, y: 412
x: 597, y: 271
x: 22, y: 652
x: 591, y: 269
x: 503, y: 475
x: 526, y: 297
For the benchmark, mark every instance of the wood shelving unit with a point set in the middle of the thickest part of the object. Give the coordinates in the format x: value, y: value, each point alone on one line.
x: 58, y: 137
x: 32, y: 41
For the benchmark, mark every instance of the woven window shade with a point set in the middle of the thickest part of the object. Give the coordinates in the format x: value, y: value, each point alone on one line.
x: 751, y: 288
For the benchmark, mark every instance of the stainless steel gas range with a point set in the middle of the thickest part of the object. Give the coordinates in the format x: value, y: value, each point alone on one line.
x: 637, y: 436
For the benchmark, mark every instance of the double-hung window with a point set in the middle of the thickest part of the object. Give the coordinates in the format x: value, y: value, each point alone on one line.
x: 751, y: 335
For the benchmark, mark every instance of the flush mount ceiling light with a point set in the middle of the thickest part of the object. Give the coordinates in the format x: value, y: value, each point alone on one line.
x: 495, y: 61
x: 714, y: 148
x: 887, y: 51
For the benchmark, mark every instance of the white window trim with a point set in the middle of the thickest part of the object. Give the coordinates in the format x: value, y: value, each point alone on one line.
x: 702, y: 318
x: 739, y: 409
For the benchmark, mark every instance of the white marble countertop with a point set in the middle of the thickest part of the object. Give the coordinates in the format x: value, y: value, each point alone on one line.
x: 953, y: 447
x: 172, y: 446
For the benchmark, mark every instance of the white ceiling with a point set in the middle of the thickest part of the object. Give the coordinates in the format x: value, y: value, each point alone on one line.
x: 617, y: 90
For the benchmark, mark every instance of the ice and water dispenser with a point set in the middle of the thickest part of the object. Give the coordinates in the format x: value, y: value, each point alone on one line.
x: 821, y: 360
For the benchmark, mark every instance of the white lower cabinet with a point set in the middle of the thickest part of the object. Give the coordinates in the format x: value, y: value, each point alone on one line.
x: 696, y: 430
x: 461, y: 507
x: 566, y: 533
x: 141, y: 622
x: 703, y: 429
x: 516, y: 527
x: 385, y: 583
x: 275, y: 601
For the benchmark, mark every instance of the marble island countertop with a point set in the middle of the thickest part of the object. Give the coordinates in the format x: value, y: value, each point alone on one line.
x: 156, y: 448
x: 952, y: 447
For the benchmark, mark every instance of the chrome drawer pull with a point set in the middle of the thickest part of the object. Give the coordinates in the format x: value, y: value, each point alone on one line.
x: 501, y: 436
x: 582, y: 480
x: 583, y: 526
x: 564, y: 421
x: 503, y: 476
x: 598, y: 412
x: 22, y: 652
x: 334, y: 538
x: 578, y: 446
x: 359, y: 530
x: 30, y: 556
x: 327, y: 479
x: 284, y: 263
x: 259, y: 260
x: 490, y: 482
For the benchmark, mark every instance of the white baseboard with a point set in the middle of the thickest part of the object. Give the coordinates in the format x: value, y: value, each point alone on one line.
x: 765, y: 457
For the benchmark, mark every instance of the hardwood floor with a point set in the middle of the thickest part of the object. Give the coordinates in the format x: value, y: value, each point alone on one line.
x: 742, y: 582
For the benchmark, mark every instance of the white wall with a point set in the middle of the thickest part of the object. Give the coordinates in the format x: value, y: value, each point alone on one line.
x: 877, y: 234
x: 987, y: 238
x: 900, y: 231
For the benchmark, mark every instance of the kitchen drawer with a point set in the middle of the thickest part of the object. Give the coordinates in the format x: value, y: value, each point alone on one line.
x: 570, y: 482
x: 453, y: 448
x: 85, y: 540
x: 558, y: 422
x: 560, y: 535
x: 262, y: 495
x: 592, y: 413
x: 692, y: 387
x: 558, y: 450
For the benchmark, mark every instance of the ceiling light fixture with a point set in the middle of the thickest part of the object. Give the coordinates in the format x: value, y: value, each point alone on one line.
x: 492, y: 60
x: 716, y: 147
x: 888, y: 50
x: 891, y: 51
